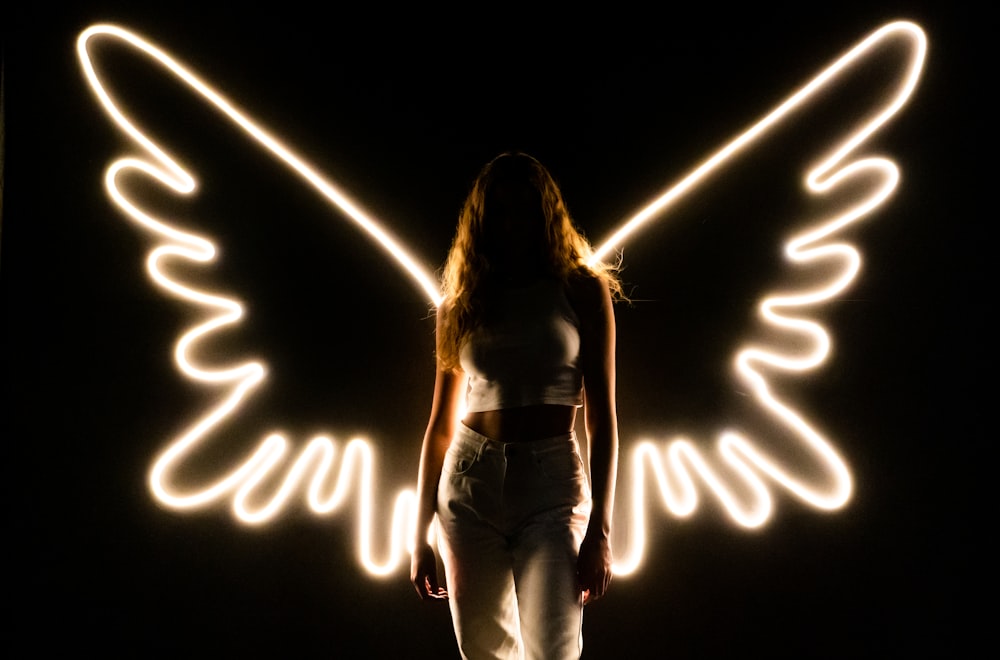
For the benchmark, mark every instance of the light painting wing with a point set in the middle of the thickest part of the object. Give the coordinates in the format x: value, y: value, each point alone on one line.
x: 196, y: 184
x: 768, y: 442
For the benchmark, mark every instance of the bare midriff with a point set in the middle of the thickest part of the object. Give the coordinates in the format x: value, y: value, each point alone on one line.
x: 523, y: 424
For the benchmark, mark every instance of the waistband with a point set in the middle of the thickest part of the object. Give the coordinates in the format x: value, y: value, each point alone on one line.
x: 481, y: 443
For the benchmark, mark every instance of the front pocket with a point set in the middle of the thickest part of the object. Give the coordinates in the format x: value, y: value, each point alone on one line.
x: 458, y: 460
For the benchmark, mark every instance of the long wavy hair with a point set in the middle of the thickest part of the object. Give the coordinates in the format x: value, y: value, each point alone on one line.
x: 467, y: 271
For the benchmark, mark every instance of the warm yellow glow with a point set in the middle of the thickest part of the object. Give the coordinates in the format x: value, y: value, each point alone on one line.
x: 238, y: 382
x: 677, y: 467
x: 680, y: 462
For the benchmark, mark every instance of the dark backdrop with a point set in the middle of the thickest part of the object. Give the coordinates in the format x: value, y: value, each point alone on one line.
x: 401, y: 109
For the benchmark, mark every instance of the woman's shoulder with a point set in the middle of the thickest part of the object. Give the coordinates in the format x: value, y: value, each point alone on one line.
x: 586, y: 290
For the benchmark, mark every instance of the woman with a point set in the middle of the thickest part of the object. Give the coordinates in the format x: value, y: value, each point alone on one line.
x: 529, y: 326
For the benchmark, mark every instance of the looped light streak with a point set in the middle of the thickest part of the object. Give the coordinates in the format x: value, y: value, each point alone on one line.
x: 676, y: 466
x: 739, y: 453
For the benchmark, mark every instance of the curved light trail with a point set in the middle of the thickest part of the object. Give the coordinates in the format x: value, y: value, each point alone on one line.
x: 330, y: 475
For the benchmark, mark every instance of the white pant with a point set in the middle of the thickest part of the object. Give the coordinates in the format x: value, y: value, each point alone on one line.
x: 511, y: 518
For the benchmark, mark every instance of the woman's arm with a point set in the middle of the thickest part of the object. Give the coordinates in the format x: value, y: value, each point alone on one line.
x: 440, y: 429
x: 597, y: 354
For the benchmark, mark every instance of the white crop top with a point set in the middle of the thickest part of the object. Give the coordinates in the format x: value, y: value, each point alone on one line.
x: 526, y: 351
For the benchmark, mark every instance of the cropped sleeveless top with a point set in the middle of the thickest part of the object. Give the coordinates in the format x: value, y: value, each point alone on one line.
x: 526, y: 351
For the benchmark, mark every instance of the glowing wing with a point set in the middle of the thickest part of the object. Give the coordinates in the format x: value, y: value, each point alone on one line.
x: 258, y: 493
x: 739, y: 480
x: 737, y: 472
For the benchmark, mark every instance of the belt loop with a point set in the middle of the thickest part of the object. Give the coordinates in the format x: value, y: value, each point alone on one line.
x: 484, y: 445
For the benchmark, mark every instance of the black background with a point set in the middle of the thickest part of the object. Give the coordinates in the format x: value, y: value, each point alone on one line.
x: 401, y: 109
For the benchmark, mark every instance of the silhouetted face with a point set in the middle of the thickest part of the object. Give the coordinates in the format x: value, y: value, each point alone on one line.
x: 514, y: 225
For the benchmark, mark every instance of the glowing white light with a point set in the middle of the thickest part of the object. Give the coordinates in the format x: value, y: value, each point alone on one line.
x: 739, y: 453
x: 678, y: 466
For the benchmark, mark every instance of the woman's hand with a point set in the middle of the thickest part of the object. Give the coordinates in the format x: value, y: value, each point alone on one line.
x: 423, y: 574
x: 593, y: 567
